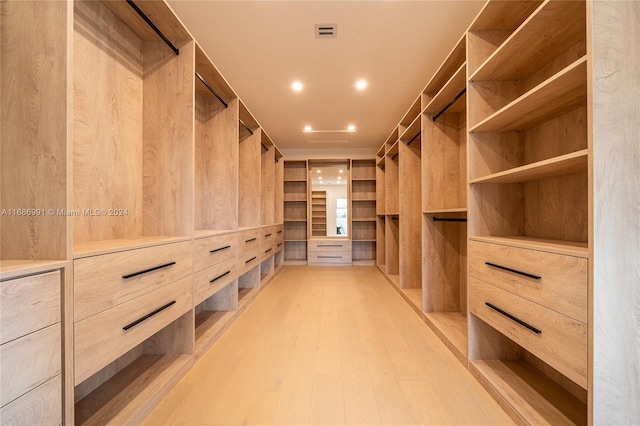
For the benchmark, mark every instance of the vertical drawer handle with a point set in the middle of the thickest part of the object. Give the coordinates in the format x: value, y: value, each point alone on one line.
x: 219, y: 249
x: 252, y: 259
x: 267, y: 251
x: 219, y: 276
x: 155, y: 268
x: 149, y: 315
x: 513, y: 318
x: 504, y: 268
x: 267, y: 235
x: 248, y: 241
x: 329, y: 245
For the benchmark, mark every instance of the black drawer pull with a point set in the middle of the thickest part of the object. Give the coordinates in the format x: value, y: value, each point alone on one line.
x: 146, y: 317
x: 535, y: 277
x: 279, y: 232
x: 219, y: 276
x: 252, y: 259
x: 267, y: 251
x: 329, y: 245
x: 155, y: 268
x: 267, y: 235
x: 329, y: 257
x: 511, y: 317
x: 219, y: 249
x: 248, y: 241
x: 279, y: 244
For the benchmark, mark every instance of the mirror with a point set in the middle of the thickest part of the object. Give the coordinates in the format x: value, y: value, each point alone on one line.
x: 329, y: 198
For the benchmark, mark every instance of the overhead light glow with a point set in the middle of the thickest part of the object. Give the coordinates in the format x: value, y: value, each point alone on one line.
x: 340, y: 171
x: 307, y: 128
x: 339, y: 177
x: 361, y: 84
x: 351, y: 128
x: 297, y: 86
x: 318, y: 171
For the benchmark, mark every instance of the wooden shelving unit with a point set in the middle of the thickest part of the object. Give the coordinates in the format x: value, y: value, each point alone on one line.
x: 295, y: 212
x: 363, y: 211
x: 250, y: 161
x: 318, y: 213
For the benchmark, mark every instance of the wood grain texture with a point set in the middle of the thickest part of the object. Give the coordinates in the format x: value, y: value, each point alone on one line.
x: 392, y: 245
x: 33, y: 153
x: 213, y: 250
x: 615, y: 210
x: 267, y: 182
x: 391, y: 188
x: 278, y: 199
x: 223, y: 273
x: 380, y: 191
x: 249, y: 181
x: 29, y: 304
x: 41, y: 406
x: 410, y: 197
x: 380, y: 242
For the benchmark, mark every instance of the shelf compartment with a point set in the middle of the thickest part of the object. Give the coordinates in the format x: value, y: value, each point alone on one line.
x: 530, y: 397
x: 409, y: 117
x: 94, y: 248
x: 412, y: 132
x: 295, y: 191
x: 561, y: 93
x: 448, y: 92
x: 295, y: 211
x: 363, y: 250
x: 363, y: 230
x: 295, y: 171
x: 363, y: 170
x: 564, y: 165
x: 451, y: 328
x: 451, y: 64
x: 15, y: 268
x: 213, y: 316
x: 363, y: 210
x: 295, y: 250
x: 551, y: 30
x: 363, y: 190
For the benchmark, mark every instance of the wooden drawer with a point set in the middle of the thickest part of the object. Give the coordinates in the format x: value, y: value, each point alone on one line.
x: 246, y: 261
x: 208, y: 282
x: 102, y: 338
x: 267, y: 236
x: 279, y: 229
x: 29, y: 361
x: 562, y: 282
x: 556, y: 339
x: 213, y: 250
x: 327, y: 258
x: 279, y: 246
x: 101, y: 282
x: 42, y: 406
x: 267, y: 251
x: 333, y: 246
x: 249, y: 239
x: 28, y: 304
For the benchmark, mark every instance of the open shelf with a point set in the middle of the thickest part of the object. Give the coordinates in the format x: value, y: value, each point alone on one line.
x: 564, y: 91
x: 295, y: 171
x: 213, y: 315
x: 531, y: 397
x: 393, y: 151
x: 211, y: 233
x: 448, y: 92
x: 551, y: 30
x: 570, y: 248
x: 412, y: 131
x: 451, y: 327
x: 564, y: 165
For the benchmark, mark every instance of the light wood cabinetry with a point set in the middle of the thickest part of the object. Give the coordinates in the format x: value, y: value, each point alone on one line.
x: 318, y: 213
x: 363, y: 211
x: 295, y: 212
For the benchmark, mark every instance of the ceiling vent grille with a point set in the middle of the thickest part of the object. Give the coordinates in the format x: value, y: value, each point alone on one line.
x: 326, y: 30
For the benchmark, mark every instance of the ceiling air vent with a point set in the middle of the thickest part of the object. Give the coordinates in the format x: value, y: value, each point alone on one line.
x: 326, y: 30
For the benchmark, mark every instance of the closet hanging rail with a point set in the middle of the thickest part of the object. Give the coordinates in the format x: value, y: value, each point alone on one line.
x: 443, y: 110
x: 414, y: 138
x: 449, y: 219
x: 153, y: 26
x: 242, y: 123
x: 226, y: 105
x: 394, y: 157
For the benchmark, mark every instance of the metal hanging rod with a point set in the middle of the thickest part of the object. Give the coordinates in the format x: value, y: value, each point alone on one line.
x: 153, y: 26
x: 264, y: 147
x: 414, y: 138
x: 226, y: 105
x: 242, y: 123
x: 394, y: 157
x: 449, y: 219
x: 442, y: 111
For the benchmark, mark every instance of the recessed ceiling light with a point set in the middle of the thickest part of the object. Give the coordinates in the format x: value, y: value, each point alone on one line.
x: 318, y: 171
x: 307, y: 128
x: 340, y: 171
x: 339, y: 177
x: 351, y: 128
x: 297, y: 86
x: 361, y: 84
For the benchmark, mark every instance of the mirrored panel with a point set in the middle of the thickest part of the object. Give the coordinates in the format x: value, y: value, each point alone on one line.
x: 329, y: 198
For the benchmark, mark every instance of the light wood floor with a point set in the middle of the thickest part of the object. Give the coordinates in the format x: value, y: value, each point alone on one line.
x: 325, y: 346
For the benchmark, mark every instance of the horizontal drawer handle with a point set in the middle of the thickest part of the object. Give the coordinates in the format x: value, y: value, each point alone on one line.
x: 252, y: 259
x: 267, y: 251
x: 248, y: 241
x: 219, y: 249
x: 279, y: 232
x: 279, y: 244
x: 219, y: 276
x: 267, y: 235
x: 155, y: 268
x: 513, y: 318
x: 329, y: 245
x: 329, y: 257
x: 515, y: 271
x: 149, y: 315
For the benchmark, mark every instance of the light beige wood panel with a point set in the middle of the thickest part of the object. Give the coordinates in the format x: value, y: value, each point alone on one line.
x: 41, y: 406
x: 364, y: 251
x: 216, y: 164
x: 561, y: 341
x: 208, y: 282
x: 363, y: 210
x: 391, y: 189
x: 213, y: 250
x: 108, y: 75
x: 392, y: 245
x: 249, y: 239
x: 364, y: 230
x: 102, y: 282
x: 267, y: 181
x: 33, y: 153
x: 448, y: 92
x: 482, y: 43
x: 278, y: 200
x: 363, y: 189
x: 380, y: 242
x: 249, y: 181
x: 101, y: 338
x: 329, y: 245
x: 563, y: 279
x: 380, y: 191
x: 295, y: 170
x: 295, y: 250
x: 29, y: 304
x: 410, y: 251
x: 363, y: 169
x: 496, y: 210
x: 209, y: 72
x: 615, y: 209
x: 168, y: 140
x: 29, y: 361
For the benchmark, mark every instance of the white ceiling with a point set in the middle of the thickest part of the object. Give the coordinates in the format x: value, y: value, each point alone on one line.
x: 261, y: 47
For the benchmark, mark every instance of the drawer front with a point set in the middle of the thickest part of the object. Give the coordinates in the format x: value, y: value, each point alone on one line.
x: 213, y: 250
x: 28, y: 304
x: 101, y: 282
x: 29, y: 361
x: 267, y: 236
x: 249, y: 240
x: 562, y: 285
x: 329, y: 258
x: 102, y: 338
x: 279, y: 233
x: 561, y: 341
x: 332, y: 246
x: 267, y: 251
x: 208, y: 282
x: 246, y: 261
x: 42, y: 406
x: 279, y: 246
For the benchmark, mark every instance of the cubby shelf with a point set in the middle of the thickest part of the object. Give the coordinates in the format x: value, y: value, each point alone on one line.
x: 412, y: 131
x: 448, y: 92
